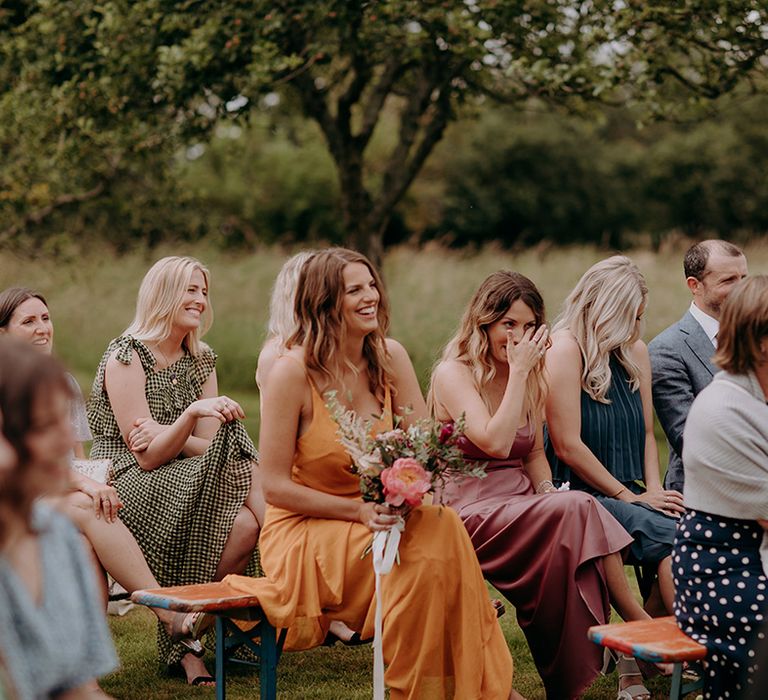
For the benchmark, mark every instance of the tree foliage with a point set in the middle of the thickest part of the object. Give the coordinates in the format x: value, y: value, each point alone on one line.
x: 99, y: 94
x: 567, y: 180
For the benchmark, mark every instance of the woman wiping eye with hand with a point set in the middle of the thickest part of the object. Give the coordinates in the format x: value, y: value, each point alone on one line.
x: 555, y: 556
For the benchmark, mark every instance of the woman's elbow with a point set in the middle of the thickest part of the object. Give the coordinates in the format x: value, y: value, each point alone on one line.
x: 275, y: 492
x: 565, y: 450
x: 271, y: 495
x: 497, y: 450
x: 145, y: 461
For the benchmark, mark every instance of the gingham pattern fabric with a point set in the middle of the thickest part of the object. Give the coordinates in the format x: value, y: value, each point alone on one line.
x: 182, y: 512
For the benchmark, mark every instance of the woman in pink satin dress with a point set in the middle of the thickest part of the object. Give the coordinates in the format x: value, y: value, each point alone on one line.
x: 554, y: 555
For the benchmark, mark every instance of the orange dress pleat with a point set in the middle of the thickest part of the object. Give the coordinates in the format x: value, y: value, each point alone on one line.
x: 441, y: 637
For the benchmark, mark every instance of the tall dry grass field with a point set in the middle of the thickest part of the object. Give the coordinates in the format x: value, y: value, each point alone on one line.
x: 92, y: 297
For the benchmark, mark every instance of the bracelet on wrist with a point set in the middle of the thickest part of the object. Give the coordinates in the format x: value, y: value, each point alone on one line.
x: 619, y: 492
x: 544, y: 485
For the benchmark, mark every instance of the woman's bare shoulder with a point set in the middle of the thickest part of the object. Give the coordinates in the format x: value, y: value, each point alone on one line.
x: 398, y: 355
x: 290, y: 365
x: 395, y: 347
x: 638, y: 351
x: 449, y: 370
x: 564, y: 344
x: 267, y: 356
x: 115, y: 363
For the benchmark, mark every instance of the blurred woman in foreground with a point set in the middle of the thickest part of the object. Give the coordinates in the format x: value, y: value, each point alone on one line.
x: 53, y: 636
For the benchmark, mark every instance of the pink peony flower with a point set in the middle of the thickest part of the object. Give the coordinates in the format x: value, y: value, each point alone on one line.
x: 405, y: 481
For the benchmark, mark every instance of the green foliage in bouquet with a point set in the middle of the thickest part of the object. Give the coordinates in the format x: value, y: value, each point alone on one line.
x: 426, y: 445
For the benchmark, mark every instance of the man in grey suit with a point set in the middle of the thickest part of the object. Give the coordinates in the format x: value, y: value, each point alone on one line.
x: 681, y: 355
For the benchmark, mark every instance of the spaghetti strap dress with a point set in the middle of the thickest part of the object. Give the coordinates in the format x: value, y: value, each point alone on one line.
x: 544, y: 553
x: 441, y: 638
x: 182, y: 512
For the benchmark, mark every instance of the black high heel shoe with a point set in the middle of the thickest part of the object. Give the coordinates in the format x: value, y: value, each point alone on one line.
x: 355, y: 640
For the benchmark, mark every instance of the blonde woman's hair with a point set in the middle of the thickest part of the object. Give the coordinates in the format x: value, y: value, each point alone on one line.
x: 282, y: 314
x: 160, y: 295
x: 321, y: 329
x: 743, y: 326
x: 470, y: 344
x: 601, y: 313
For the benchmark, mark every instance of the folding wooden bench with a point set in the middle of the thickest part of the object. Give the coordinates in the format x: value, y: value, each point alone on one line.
x: 659, y: 640
x: 226, y: 604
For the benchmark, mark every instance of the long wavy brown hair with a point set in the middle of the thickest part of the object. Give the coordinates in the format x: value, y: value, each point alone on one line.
x: 321, y: 329
x: 26, y: 377
x: 470, y: 343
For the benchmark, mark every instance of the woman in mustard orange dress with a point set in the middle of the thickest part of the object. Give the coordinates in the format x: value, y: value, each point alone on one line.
x: 441, y: 638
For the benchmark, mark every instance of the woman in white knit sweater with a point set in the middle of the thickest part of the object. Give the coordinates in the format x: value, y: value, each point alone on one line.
x: 721, y: 587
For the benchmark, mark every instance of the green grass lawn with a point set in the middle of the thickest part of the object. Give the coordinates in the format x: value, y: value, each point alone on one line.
x: 337, y: 673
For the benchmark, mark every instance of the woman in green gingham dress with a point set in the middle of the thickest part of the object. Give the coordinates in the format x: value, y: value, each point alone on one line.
x: 183, y: 464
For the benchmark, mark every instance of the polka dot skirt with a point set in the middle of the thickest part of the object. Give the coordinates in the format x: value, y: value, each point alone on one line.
x: 720, y: 598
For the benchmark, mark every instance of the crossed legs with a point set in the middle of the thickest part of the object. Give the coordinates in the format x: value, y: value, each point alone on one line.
x: 119, y: 554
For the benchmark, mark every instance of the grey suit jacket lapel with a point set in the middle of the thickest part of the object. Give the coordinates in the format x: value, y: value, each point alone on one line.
x: 696, y: 339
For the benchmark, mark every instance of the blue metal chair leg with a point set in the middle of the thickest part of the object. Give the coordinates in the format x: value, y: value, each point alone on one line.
x: 268, y: 651
x: 680, y: 688
x: 269, y: 654
x: 221, y: 680
x: 677, y: 681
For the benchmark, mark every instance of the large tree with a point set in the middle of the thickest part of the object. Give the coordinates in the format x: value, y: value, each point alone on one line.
x: 93, y: 94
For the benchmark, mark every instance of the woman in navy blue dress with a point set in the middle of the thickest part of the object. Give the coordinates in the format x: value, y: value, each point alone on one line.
x: 600, y: 418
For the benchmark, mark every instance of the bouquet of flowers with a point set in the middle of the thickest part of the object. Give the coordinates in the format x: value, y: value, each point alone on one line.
x: 401, y: 466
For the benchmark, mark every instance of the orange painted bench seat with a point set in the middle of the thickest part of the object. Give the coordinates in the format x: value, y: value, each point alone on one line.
x: 659, y: 640
x: 199, y: 597
x: 226, y: 603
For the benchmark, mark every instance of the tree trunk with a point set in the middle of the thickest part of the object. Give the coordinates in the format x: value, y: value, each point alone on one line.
x: 356, y: 208
x: 362, y: 239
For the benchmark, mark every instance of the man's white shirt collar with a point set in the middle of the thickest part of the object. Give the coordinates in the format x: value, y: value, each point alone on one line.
x: 710, y: 325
